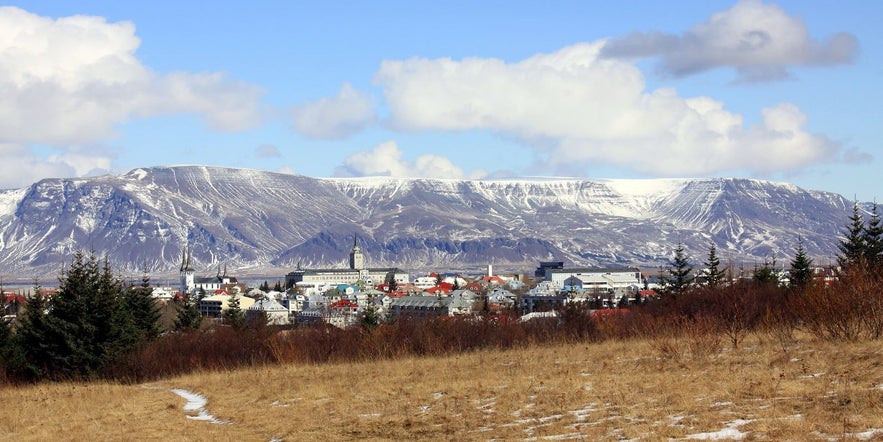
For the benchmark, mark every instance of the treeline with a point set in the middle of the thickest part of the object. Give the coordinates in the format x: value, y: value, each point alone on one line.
x: 95, y: 326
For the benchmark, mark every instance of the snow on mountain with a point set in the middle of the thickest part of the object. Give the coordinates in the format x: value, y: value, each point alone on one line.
x: 248, y: 218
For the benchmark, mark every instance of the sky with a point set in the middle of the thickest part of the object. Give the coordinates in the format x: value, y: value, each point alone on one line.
x: 787, y: 91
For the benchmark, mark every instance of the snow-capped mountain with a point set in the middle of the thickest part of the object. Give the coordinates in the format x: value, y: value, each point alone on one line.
x: 246, y: 218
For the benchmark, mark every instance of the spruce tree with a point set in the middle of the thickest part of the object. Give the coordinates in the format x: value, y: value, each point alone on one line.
x: 714, y: 275
x: 144, y: 312
x: 766, y: 274
x: 32, y: 359
x: 679, y: 276
x: 873, y: 239
x: 233, y: 315
x: 188, y: 318
x: 801, y: 268
x: 852, y: 246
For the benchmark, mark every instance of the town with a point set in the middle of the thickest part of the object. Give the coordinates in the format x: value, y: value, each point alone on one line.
x: 341, y: 297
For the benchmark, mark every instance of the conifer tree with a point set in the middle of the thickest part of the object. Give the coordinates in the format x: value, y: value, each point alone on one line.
x: 679, y: 276
x: 714, y: 275
x: 801, y: 268
x: 233, y: 315
x: 873, y: 239
x: 32, y: 359
x: 766, y: 273
x: 852, y: 246
x: 145, y: 314
x: 188, y: 318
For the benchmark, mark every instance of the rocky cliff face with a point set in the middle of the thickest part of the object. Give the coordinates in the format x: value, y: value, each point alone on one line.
x: 245, y: 218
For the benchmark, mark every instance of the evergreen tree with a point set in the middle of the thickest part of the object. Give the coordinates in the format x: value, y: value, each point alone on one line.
x: 873, y: 239
x: 766, y: 274
x: 801, y: 268
x: 852, y: 246
x: 32, y: 359
x: 233, y: 315
x: 369, y: 317
x: 715, y: 276
x: 265, y: 287
x: 679, y: 272
x: 145, y: 313
x: 188, y: 318
x: 278, y: 286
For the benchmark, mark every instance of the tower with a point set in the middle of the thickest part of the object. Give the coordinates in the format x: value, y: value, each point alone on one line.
x: 357, y: 260
x: 187, y: 281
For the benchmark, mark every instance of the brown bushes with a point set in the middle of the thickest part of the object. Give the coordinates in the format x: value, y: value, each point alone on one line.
x: 848, y: 309
x: 694, y: 324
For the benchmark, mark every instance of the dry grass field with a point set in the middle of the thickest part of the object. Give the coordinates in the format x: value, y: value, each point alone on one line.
x: 771, y: 388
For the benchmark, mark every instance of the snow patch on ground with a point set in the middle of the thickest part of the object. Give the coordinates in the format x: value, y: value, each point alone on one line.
x: 196, y: 403
x: 731, y: 432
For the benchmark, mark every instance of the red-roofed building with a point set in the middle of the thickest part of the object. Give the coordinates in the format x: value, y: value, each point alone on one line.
x: 475, y: 286
x: 496, y: 280
x: 344, y: 305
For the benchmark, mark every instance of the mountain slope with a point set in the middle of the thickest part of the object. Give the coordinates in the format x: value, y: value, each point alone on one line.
x: 246, y: 218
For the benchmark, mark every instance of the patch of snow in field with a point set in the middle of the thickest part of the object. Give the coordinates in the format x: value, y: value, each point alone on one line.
x: 731, y: 432
x: 197, y: 402
x: 866, y: 435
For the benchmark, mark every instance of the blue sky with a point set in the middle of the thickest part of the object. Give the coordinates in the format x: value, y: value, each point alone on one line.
x: 786, y: 91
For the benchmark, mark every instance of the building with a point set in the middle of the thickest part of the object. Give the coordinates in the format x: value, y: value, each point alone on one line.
x: 602, y: 281
x: 216, y: 304
x: 275, y: 313
x: 190, y: 284
x: 356, y: 272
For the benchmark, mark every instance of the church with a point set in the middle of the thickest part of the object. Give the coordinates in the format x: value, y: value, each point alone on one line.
x: 190, y: 283
x: 356, y: 272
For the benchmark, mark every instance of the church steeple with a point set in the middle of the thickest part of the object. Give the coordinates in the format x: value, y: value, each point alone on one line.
x: 187, y: 281
x: 357, y: 259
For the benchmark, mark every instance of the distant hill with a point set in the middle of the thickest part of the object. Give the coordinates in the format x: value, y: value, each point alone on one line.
x: 255, y: 219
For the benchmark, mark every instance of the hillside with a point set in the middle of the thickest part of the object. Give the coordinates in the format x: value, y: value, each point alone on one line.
x: 253, y: 219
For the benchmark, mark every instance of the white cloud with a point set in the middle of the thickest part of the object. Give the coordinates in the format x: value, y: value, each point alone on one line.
x: 333, y: 118
x: 21, y: 166
x: 577, y: 109
x: 759, y: 40
x: 386, y: 160
x: 72, y: 80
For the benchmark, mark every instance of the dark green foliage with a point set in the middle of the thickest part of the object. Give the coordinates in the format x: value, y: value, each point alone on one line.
x: 278, y: 286
x: 265, y: 287
x: 873, y: 236
x: 801, y: 268
x: 188, y: 318
x: 145, y: 314
x: 766, y: 274
x: 369, y: 317
x: 233, y: 315
x: 89, y: 323
x: 852, y: 246
x: 31, y: 360
x: 714, y: 275
x: 680, y: 274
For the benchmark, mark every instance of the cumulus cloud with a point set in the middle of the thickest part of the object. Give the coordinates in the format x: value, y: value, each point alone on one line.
x: 71, y: 80
x: 21, y: 166
x: 759, y: 40
x: 386, y: 160
x: 577, y: 109
x: 333, y: 118
x: 267, y: 151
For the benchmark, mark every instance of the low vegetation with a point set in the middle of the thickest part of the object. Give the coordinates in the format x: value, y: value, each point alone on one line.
x: 772, y: 387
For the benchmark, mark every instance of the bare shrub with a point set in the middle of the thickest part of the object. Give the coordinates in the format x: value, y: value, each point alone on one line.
x: 848, y: 309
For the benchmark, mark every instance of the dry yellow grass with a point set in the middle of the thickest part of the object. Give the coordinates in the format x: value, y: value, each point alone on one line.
x: 638, y: 390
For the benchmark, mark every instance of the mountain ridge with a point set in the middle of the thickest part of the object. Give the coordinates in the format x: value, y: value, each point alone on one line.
x: 244, y: 218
